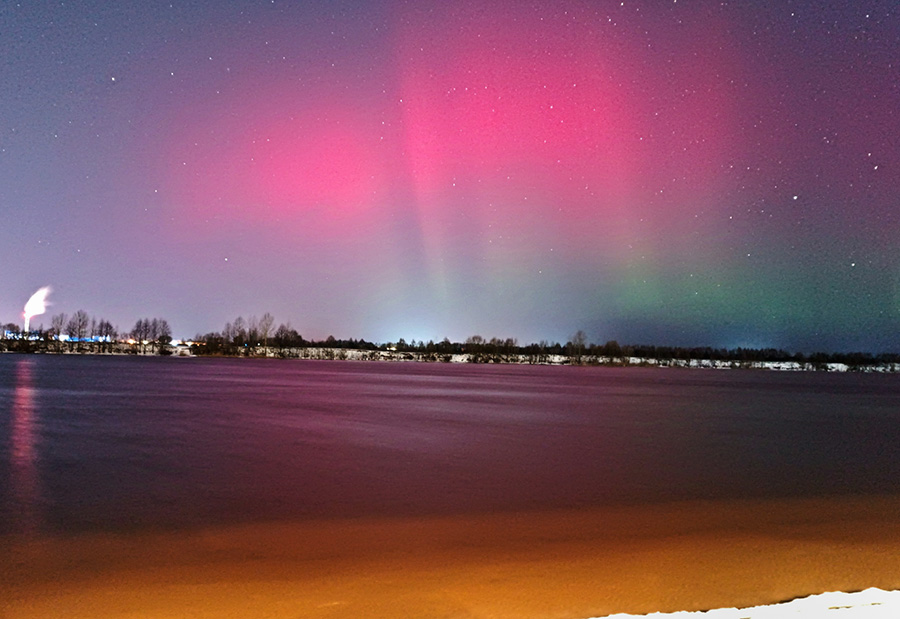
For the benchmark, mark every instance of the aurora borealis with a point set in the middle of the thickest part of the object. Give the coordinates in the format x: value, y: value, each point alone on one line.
x: 673, y: 173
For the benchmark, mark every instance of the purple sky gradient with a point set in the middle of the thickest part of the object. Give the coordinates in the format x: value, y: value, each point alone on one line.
x: 681, y: 173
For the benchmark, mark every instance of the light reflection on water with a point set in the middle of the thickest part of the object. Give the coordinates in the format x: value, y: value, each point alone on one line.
x: 23, y: 452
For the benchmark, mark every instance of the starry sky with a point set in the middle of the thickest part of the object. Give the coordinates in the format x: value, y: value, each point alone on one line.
x: 676, y: 173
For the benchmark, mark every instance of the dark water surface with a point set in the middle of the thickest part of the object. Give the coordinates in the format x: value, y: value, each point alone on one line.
x: 110, y: 443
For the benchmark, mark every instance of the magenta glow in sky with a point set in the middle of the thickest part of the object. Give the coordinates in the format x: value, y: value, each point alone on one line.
x: 694, y: 173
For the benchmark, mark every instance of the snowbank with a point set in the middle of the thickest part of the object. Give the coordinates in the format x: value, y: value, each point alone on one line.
x: 869, y: 604
x: 349, y: 354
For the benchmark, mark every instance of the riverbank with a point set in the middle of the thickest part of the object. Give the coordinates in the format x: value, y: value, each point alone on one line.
x: 353, y: 354
x: 582, y: 360
x: 575, y: 563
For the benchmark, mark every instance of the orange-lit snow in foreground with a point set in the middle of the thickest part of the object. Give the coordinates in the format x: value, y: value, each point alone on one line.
x: 578, y: 563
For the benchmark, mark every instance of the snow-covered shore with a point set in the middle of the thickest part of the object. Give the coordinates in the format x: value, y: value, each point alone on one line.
x: 355, y: 354
x: 577, y: 563
x: 350, y: 354
x: 872, y: 603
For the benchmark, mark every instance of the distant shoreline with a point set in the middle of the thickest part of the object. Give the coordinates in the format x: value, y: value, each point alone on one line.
x: 354, y: 354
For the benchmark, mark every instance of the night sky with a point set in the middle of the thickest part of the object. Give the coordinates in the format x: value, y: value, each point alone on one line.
x: 682, y: 173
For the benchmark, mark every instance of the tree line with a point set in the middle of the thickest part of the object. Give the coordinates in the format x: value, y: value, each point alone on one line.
x: 254, y: 336
x: 83, y: 333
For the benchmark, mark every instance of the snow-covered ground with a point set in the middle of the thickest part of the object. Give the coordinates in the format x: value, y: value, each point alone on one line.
x: 869, y: 604
x: 709, y: 364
